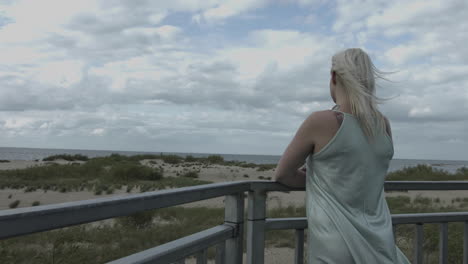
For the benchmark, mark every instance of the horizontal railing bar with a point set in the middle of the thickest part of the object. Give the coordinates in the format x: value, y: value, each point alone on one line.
x: 388, y: 186
x: 180, y: 248
x: 285, y: 223
x: 429, y: 218
x: 21, y: 221
x: 397, y: 219
x: 425, y: 185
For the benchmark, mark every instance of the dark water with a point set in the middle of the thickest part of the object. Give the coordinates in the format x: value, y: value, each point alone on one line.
x: 38, y: 153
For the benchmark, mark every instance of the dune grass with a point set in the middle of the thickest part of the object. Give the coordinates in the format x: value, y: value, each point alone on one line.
x: 423, y: 172
x: 66, y: 157
x: 97, y: 174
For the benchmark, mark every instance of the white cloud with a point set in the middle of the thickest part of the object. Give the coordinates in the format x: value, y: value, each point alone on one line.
x: 404, y: 12
x: 165, y: 32
x: 228, y: 8
x: 277, y: 50
x: 98, y: 131
x: 59, y: 73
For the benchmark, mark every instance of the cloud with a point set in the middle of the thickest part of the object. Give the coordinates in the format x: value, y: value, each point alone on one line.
x: 143, y: 74
x: 228, y: 8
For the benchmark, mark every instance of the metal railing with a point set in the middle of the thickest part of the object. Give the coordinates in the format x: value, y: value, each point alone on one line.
x: 227, y: 237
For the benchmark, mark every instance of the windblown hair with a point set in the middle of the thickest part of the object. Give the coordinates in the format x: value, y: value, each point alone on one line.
x: 356, y: 75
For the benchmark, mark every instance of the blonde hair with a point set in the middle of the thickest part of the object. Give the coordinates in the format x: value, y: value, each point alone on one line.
x: 356, y: 75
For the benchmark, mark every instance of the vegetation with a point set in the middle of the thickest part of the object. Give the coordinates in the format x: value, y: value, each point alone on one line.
x: 423, y: 172
x: 96, y: 174
x: 191, y: 174
x: 172, y: 159
x: 14, y: 204
x: 66, y: 157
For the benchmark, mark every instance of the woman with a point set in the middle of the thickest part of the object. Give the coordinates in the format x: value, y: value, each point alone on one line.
x: 347, y: 151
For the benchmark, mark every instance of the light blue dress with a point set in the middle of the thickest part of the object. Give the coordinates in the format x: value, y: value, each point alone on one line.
x: 348, y: 216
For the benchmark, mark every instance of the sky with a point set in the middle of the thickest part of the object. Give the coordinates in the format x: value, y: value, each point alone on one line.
x: 232, y: 76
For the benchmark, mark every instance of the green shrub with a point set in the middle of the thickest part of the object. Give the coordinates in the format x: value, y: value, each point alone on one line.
x: 127, y: 171
x: 215, y: 159
x: 35, y: 203
x: 171, y: 159
x: 14, y: 204
x: 190, y: 158
x: 462, y: 171
x: 143, y: 157
x: 30, y: 189
x: 138, y: 220
x: 265, y: 167
x: 399, y: 201
x: 422, y: 200
x: 145, y: 187
x: 129, y: 188
x: 66, y: 157
x: 191, y: 174
x: 423, y: 172
x: 4, y: 161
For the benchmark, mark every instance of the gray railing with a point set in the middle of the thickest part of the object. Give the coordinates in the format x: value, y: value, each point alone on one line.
x: 227, y: 237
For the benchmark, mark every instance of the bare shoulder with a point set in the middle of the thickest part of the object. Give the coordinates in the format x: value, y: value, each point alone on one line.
x: 324, y: 118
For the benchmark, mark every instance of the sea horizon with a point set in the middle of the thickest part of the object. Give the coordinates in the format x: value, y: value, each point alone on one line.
x: 22, y: 153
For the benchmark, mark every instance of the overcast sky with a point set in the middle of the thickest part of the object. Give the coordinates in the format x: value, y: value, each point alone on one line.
x: 232, y: 76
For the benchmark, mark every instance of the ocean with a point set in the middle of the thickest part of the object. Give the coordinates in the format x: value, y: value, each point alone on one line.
x: 7, y: 153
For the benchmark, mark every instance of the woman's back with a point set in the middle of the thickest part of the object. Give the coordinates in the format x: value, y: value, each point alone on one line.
x: 349, y: 220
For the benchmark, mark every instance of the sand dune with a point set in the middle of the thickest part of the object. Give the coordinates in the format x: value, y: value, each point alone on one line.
x: 214, y: 173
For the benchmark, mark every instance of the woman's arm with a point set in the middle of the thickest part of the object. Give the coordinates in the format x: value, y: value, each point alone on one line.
x: 295, y: 154
x: 298, y: 181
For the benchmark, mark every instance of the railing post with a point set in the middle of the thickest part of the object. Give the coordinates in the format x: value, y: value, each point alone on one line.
x: 256, y: 227
x: 220, y: 257
x: 418, y: 244
x: 202, y: 257
x: 299, y: 250
x: 443, y: 243
x: 465, y: 243
x: 234, y: 215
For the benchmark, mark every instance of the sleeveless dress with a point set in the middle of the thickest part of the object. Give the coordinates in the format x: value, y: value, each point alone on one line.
x: 348, y: 217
